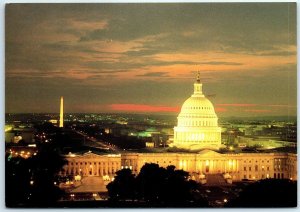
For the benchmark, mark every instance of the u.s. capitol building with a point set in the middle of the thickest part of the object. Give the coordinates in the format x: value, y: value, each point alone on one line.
x: 197, y: 130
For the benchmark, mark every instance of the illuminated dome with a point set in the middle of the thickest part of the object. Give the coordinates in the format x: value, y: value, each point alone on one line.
x: 197, y: 126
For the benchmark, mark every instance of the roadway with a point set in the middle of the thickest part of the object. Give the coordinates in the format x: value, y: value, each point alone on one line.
x: 93, y: 142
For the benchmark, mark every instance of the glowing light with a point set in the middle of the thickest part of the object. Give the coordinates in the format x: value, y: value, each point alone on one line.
x: 225, y: 200
x: 77, y: 177
x: 8, y: 128
x: 31, y: 182
x: 61, y: 113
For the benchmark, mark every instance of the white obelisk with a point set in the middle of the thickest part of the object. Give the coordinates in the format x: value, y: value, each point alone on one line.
x: 61, y: 113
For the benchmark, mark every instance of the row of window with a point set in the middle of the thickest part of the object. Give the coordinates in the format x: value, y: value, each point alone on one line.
x: 187, y: 136
x: 198, y: 123
x: 256, y: 177
x: 199, y: 141
x: 76, y: 172
x: 90, y: 163
x: 256, y: 168
x: 256, y: 161
x: 198, y: 108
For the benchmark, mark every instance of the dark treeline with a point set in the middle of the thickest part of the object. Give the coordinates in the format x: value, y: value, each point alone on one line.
x: 31, y: 182
x: 165, y: 187
x: 267, y: 193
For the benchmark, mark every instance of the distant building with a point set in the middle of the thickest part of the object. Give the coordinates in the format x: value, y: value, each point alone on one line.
x: 54, y: 122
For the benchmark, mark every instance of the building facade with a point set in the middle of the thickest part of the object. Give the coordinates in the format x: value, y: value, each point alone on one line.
x: 251, y: 166
x: 91, y: 164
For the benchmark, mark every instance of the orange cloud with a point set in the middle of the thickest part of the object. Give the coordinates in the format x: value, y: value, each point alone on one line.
x: 220, y: 109
x: 142, y: 108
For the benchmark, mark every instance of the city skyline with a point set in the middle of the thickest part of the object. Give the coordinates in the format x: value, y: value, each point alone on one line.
x: 144, y: 57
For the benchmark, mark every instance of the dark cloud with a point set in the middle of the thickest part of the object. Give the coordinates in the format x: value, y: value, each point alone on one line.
x: 153, y: 74
x: 136, y: 53
x: 234, y: 27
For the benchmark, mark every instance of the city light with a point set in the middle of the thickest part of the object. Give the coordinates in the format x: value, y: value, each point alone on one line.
x: 145, y: 122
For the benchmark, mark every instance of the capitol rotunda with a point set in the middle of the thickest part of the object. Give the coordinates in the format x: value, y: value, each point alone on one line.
x: 197, y: 126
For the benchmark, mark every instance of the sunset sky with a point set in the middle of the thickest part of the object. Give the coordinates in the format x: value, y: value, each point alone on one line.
x: 144, y: 57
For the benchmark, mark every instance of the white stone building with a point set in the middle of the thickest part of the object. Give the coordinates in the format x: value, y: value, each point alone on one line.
x: 197, y: 126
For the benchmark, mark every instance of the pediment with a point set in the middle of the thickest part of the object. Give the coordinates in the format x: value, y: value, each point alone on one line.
x: 90, y: 155
x: 209, y: 153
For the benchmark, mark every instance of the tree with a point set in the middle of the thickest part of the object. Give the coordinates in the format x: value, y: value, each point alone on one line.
x: 267, y: 193
x: 151, y: 182
x: 44, y: 167
x: 17, y: 181
x: 30, y: 182
x: 123, y: 187
x: 155, y: 185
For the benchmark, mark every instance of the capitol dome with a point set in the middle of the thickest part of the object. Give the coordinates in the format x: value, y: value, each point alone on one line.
x: 197, y: 126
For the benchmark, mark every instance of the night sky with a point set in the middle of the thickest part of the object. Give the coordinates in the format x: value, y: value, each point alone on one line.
x: 144, y: 57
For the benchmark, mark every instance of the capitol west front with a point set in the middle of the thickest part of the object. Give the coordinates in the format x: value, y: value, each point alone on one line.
x: 197, y: 129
